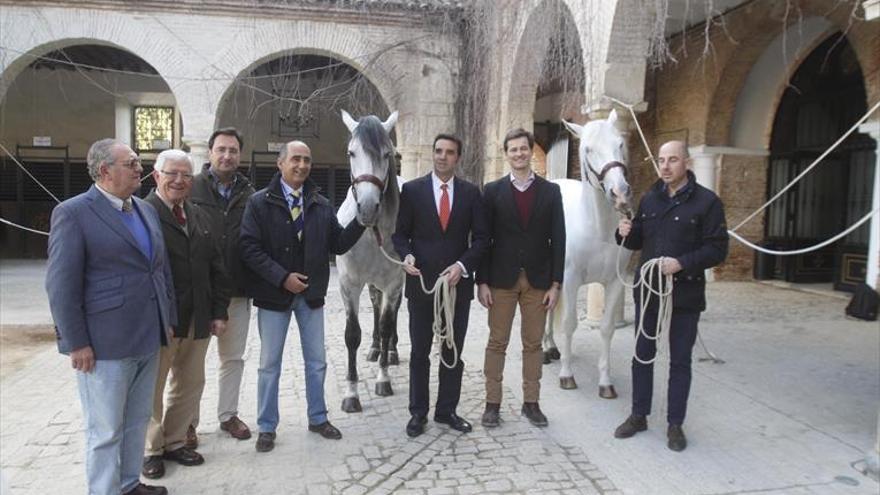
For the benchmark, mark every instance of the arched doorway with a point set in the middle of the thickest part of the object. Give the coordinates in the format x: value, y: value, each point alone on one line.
x: 67, y: 97
x: 824, y: 98
x: 560, y: 89
x: 299, y: 97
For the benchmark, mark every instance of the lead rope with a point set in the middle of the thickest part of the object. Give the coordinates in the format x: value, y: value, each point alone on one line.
x: 444, y: 310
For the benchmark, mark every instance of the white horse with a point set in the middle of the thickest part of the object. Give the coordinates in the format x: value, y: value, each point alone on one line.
x: 591, y: 253
x: 374, y: 198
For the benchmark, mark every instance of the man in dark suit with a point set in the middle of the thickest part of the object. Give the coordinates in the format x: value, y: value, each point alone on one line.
x: 202, y: 289
x: 524, y: 266
x: 441, y: 231
x: 110, y: 292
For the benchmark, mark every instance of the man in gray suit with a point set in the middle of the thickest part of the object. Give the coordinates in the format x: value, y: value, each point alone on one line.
x: 112, y: 299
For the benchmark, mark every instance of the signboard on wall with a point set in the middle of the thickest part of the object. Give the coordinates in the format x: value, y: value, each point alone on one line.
x: 42, y: 140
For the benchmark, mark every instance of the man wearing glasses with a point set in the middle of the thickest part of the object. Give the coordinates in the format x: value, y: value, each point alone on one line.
x: 202, y: 289
x: 110, y: 292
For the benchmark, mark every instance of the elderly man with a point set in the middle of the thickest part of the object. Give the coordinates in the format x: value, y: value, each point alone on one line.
x: 683, y: 223
x: 287, y: 234
x: 112, y: 299
x: 222, y: 192
x: 202, y: 290
x: 523, y: 268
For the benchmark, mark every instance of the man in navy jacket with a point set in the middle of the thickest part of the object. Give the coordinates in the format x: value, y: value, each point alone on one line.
x: 287, y: 234
x: 112, y: 299
x: 683, y: 223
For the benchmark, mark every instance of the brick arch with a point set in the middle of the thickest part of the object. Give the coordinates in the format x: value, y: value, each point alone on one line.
x: 341, y: 43
x: 625, y: 52
x: 525, y: 73
x: 754, y: 38
x: 62, y: 28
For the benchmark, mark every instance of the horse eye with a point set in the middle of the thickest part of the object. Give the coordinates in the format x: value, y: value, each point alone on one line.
x: 350, y: 154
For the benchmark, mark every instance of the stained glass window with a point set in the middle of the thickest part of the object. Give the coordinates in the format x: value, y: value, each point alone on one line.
x: 153, y: 128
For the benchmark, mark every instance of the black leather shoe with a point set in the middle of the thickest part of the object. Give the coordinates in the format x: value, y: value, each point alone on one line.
x: 633, y: 424
x: 265, y: 441
x: 491, y: 416
x: 455, y: 422
x: 326, y: 430
x: 416, y: 425
x: 153, y: 468
x: 533, y: 413
x: 675, y: 438
x: 143, y: 489
x: 184, y: 457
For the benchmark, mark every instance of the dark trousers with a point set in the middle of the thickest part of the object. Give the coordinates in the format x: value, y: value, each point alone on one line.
x: 682, y: 335
x: 421, y: 316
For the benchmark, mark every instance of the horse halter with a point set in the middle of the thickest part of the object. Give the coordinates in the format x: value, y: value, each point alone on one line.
x: 600, y: 176
x: 372, y: 179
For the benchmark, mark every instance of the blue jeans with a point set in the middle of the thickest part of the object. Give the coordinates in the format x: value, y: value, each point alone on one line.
x: 117, y: 400
x: 273, y: 327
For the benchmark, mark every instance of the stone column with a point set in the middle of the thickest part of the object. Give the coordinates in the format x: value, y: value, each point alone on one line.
x: 198, y: 149
x: 705, y: 166
x: 123, y: 116
x: 872, y: 457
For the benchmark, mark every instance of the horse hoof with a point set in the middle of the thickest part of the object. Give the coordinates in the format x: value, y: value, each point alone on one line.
x: 383, y: 389
x: 553, y: 353
x: 373, y: 355
x: 567, y: 383
x: 547, y: 359
x: 393, y: 358
x: 351, y: 405
x: 607, y: 392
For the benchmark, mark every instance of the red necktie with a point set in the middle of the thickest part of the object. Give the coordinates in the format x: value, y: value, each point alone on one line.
x: 178, y: 214
x: 444, y: 207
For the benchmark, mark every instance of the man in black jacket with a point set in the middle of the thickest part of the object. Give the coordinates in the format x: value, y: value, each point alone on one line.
x: 221, y: 191
x: 524, y: 267
x: 682, y: 223
x: 202, y: 289
x: 288, y: 232
x: 440, y: 232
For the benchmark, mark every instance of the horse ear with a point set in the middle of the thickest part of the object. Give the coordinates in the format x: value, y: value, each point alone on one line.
x: 573, y: 128
x: 349, y: 122
x: 612, y: 117
x: 389, y: 124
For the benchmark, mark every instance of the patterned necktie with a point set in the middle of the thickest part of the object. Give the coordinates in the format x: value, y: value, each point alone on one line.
x: 178, y: 214
x: 444, y: 207
x: 126, y: 205
x: 296, y: 213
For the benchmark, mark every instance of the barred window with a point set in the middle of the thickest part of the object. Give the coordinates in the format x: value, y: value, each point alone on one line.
x: 153, y: 128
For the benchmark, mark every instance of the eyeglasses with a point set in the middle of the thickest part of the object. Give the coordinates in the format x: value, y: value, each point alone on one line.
x: 177, y: 175
x: 132, y: 163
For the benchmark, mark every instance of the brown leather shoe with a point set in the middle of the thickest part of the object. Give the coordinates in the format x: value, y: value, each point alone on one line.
x: 236, y: 428
x: 153, y: 468
x: 143, y: 489
x: 533, y: 413
x: 633, y: 424
x: 326, y: 430
x: 491, y: 416
x: 192, y: 439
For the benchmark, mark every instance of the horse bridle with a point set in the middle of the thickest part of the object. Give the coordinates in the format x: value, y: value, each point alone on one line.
x: 372, y: 179
x: 600, y: 176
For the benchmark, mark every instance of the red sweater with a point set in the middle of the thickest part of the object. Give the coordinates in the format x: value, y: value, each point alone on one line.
x: 524, y: 201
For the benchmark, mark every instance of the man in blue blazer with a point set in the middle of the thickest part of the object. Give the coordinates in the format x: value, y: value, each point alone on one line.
x: 441, y: 231
x: 112, y: 300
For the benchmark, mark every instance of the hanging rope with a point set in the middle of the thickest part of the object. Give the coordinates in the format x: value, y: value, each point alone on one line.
x: 22, y: 227
x: 444, y: 310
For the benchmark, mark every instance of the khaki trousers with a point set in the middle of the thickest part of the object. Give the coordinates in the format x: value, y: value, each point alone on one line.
x: 185, y: 360
x: 501, y: 315
x: 231, y: 347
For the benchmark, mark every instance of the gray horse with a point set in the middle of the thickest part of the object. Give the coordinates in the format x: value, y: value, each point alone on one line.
x: 373, y: 198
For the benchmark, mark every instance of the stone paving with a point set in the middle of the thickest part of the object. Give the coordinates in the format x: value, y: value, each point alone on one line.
x: 788, y: 413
